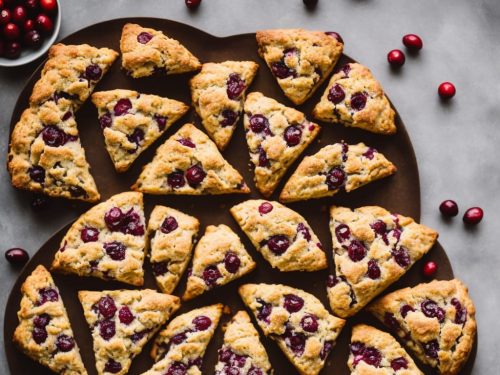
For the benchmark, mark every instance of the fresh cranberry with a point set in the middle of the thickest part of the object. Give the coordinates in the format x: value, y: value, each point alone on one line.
x: 47, y: 295
x: 430, y: 268
x: 144, y: 37
x: 432, y: 310
x: 342, y: 232
x: 31, y: 6
x: 113, y: 219
x: 235, y: 86
x: 356, y: 250
x: 431, y: 349
x: 210, y: 275
x: 48, y: 5
x: 379, y: 227
x: 399, y: 363
x: 5, y: 16
x: 186, y: 142
x: 89, y: 234
x: 446, y: 90
x: 12, y: 50
x: 122, y: 107
x: 19, y: 14
x: 295, y: 341
x: 176, y: 180
x: 178, y: 338
x: 39, y: 335
x: 258, y: 123
x: 125, y: 315
x: 33, y: 39
x: 391, y: 321
x: 396, y: 57
x: 105, y: 120
x: 229, y: 117
x: 17, y: 255
x: 202, y: 323
x: 136, y: 137
x: 336, y: 94
x: 115, y: 250
x: 335, y: 35
x: 93, y: 72
x: 232, y: 262
x: 405, y: 309
x: 449, y: 208
x: 44, y: 23
x: 293, y: 135
x: 281, y: 70
x: 169, y: 225
x: 37, y: 174
x: 263, y: 160
x: 310, y: 3
x: 265, y: 208
x: 473, y: 216
x: 370, y: 153
x: 309, y: 323
x: 65, y: 343
x: 278, y: 244
x: 326, y: 349
x: 461, y: 311
x: 373, y: 269
x: 195, y: 175
x: 293, y: 303
x: 193, y: 4
x: 112, y: 366
x: 335, y: 178
x: 107, y: 329
x: 413, y: 42
x: 41, y: 321
x: 159, y: 268
x: 106, y: 307
x: 264, y: 310
x: 11, y: 31
x: 302, y: 229
x: 28, y: 25
x: 401, y: 256
x: 53, y: 136
x: 358, y: 101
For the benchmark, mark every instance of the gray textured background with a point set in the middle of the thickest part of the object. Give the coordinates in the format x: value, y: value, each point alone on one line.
x: 455, y: 144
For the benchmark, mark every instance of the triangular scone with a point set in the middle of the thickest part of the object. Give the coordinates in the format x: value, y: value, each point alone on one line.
x: 281, y: 235
x: 146, y: 50
x: 303, y: 329
x: 46, y: 155
x: 242, y: 349
x: 276, y: 136
x: 375, y: 352
x: 218, y: 93
x: 219, y: 258
x: 179, y: 348
x: 172, y: 236
x: 299, y: 59
x: 334, y: 167
x: 122, y: 322
x: 44, y: 332
x: 107, y: 241
x: 189, y: 163
x: 131, y: 122
x: 355, y: 98
x: 71, y: 72
x: 372, y: 249
x: 436, y: 321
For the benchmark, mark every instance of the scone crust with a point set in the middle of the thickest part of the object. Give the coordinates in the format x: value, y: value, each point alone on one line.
x: 271, y: 142
x: 455, y: 340
x: 360, y: 164
x: 315, y: 55
x: 304, y: 252
x: 172, y: 156
x: 150, y: 114
x: 353, y: 288
x: 377, y: 116
x: 210, y: 97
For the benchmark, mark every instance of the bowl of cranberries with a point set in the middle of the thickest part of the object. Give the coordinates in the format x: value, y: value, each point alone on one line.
x: 27, y: 29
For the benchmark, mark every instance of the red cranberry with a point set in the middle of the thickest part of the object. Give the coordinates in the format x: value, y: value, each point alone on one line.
x: 461, y: 312
x: 413, y: 42
x: 342, y: 232
x: 169, y: 225
x: 89, y: 234
x: 193, y: 4
x: 255, y: 371
x: 431, y: 349
x: 405, y: 309
x: 113, y: 219
x: 112, y: 366
x: 11, y: 31
x: 235, y: 86
x: 281, y: 70
x: 225, y: 355
x: 232, y: 262
x: 258, y: 123
x: 327, y: 348
x: 432, y: 310
x: 65, y: 343
x: 335, y: 35
x: 42, y: 321
x: 401, y: 256
x: 136, y: 137
x: 53, y: 136
x: 358, y: 101
x: 106, y: 307
x: 5, y: 16
x: 309, y: 323
x: 176, y: 180
x: 399, y: 363
x: 144, y: 37
x: 265, y: 208
x: 37, y: 174
x: 105, y: 120
x: 202, y: 323
x: 33, y: 39
x: 473, y: 216
x: 396, y: 57
x: 430, y: 269
x: 31, y: 6
x: 310, y: 3
x: 210, y: 275
x: 93, y: 72
x: 356, y: 250
x: 122, y: 107
x: 186, y: 142
x: 107, y: 329
x: 17, y: 255
x: 302, y: 229
x: 48, y: 5
x: 296, y: 342
x: 336, y: 94
x: 335, y: 178
x: 12, y: 50
x: 449, y: 208
x: 373, y: 269
x: 161, y: 121
x: 39, y: 335
x: 292, y: 136
x: 370, y: 153
x: 47, y: 295
x: 293, y: 303
x: 159, y: 268
x: 264, y: 310
x: 263, y: 160
x: 44, y: 23
x: 115, y: 250
x: 379, y: 227
x: 19, y: 14
x: 278, y: 244
x: 391, y: 322
x: 178, y: 368
x: 195, y: 175
x: 125, y: 315
x: 446, y: 90
x: 178, y: 338
x: 372, y: 356
x: 229, y: 117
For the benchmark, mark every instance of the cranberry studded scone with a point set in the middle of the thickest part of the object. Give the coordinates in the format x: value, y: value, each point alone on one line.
x: 219, y: 258
x: 281, y: 235
x: 189, y: 163
x: 372, y: 249
x: 172, y: 235
x: 179, y: 348
x: 242, y: 352
x: 435, y: 320
x: 71, y: 72
x: 122, y: 322
x: 355, y: 98
x: 300, y: 60
x: 46, y: 155
x: 374, y: 352
x: 276, y: 136
x: 145, y: 51
x: 218, y: 93
x: 108, y: 241
x: 334, y: 167
x: 303, y: 329
x: 44, y: 332
x: 131, y: 122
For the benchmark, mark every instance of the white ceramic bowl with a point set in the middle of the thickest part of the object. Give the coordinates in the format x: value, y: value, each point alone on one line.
x: 29, y: 55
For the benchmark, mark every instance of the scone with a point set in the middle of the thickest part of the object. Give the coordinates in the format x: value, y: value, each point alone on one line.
x: 372, y: 249
x: 276, y: 136
x: 179, y: 348
x: 281, y: 235
x: 303, y: 329
x: 374, y: 352
x: 218, y: 93
x: 189, y: 163
x: 334, y: 167
x: 242, y: 352
x: 172, y: 235
x: 436, y: 321
x: 71, y: 72
x: 122, y: 322
x: 300, y: 60
x: 107, y: 241
x: 44, y: 332
x: 131, y: 122
x: 145, y: 51
x: 219, y: 258
x: 355, y: 98
x: 46, y: 155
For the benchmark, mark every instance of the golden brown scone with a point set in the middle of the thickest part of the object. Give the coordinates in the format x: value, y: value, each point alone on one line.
x: 108, y: 241
x: 335, y: 167
x: 44, y: 332
x: 189, y: 163
x: 146, y: 50
x: 299, y: 59
x: 355, y: 98
x: 131, y: 122
x: 122, y: 322
x: 218, y: 93
x: 372, y: 249
x: 276, y: 136
x: 436, y: 321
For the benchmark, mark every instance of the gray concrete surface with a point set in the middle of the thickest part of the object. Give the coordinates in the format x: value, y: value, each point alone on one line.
x: 456, y: 144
